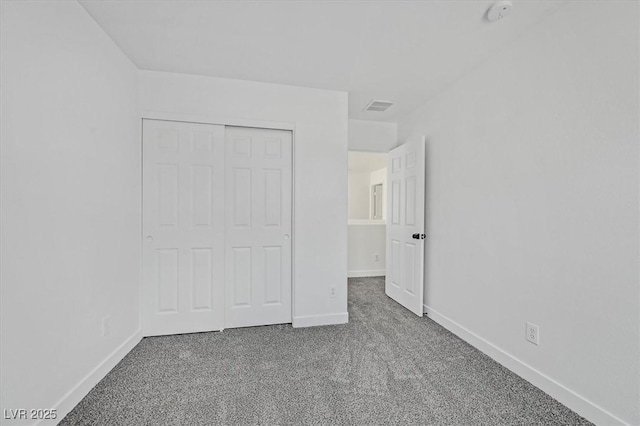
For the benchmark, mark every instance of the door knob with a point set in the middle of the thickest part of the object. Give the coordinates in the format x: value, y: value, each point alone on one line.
x: 418, y: 236
x: 286, y: 237
x: 149, y: 238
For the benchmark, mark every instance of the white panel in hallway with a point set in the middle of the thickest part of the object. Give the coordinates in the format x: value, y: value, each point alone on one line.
x: 258, y: 222
x: 405, y: 230
x: 183, y: 227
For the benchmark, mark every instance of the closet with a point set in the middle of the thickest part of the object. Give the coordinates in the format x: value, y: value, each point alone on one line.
x: 217, y: 227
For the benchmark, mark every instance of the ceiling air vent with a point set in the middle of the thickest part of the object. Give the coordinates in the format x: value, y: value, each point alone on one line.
x: 376, y: 105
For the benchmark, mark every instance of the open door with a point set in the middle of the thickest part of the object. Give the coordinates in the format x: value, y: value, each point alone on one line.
x: 404, y: 281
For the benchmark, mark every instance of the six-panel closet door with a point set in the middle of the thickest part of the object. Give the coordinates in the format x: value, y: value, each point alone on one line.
x: 258, y: 226
x: 183, y: 227
x: 216, y: 227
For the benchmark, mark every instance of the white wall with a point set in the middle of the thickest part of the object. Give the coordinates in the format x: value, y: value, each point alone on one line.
x: 374, y: 136
x: 358, y: 195
x: 70, y: 197
x: 365, y: 242
x: 532, y: 195
x: 320, y: 170
x: 366, y: 238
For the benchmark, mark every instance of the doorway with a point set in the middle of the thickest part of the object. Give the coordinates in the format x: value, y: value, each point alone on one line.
x: 400, y: 233
x: 367, y: 214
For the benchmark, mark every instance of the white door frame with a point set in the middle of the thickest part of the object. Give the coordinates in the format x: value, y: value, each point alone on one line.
x: 225, y: 121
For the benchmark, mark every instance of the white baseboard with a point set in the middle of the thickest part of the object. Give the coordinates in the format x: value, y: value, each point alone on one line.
x: 79, y: 391
x: 314, y: 320
x: 566, y: 396
x: 367, y: 273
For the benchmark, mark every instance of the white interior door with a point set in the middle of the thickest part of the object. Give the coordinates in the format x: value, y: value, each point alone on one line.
x: 258, y: 226
x: 404, y: 281
x: 183, y: 227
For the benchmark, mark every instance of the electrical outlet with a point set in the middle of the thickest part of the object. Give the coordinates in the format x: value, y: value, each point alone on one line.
x: 533, y: 334
x: 332, y: 293
x: 376, y: 257
x: 106, y: 326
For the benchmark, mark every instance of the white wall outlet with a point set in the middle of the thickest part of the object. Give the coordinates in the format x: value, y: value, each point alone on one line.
x: 332, y: 293
x: 533, y: 334
x: 106, y: 326
x: 376, y: 257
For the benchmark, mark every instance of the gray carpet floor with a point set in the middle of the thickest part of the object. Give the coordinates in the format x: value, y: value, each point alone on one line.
x: 386, y: 366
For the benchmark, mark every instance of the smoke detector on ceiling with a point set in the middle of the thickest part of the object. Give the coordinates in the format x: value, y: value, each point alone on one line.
x: 377, y: 105
x: 499, y: 10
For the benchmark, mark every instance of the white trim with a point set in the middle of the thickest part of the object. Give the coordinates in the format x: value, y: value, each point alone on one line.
x: 79, y: 391
x: 314, y: 320
x: 141, y: 246
x: 369, y: 273
x: 222, y: 121
x: 293, y: 221
x: 566, y: 396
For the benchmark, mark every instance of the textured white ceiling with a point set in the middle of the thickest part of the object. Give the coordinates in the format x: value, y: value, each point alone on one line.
x: 405, y: 51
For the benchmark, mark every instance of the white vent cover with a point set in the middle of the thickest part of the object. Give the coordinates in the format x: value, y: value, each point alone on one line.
x: 376, y: 105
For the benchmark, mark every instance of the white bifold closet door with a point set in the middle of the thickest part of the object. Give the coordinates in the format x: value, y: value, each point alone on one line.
x: 216, y: 227
x: 258, y: 226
